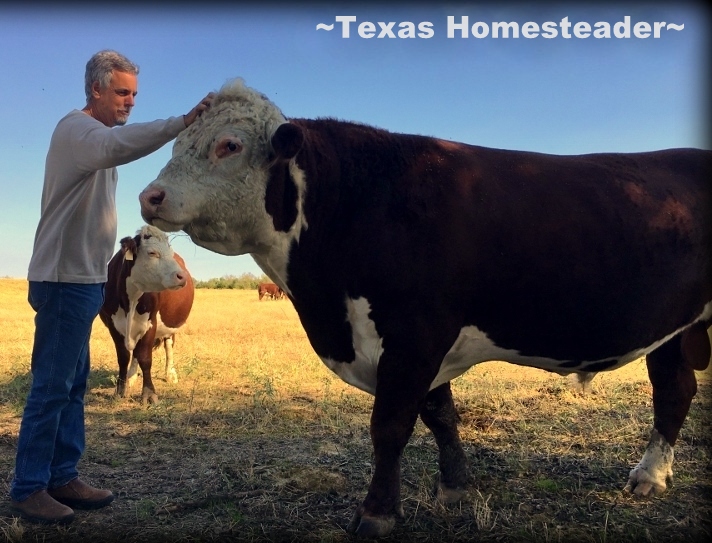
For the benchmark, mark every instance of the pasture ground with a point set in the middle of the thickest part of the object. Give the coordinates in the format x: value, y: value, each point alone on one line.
x: 259, y: 442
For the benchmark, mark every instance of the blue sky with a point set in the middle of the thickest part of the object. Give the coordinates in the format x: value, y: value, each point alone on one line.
x: 554, y: 95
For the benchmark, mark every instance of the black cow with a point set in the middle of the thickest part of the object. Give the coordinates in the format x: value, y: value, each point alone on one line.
x: 566, y: 263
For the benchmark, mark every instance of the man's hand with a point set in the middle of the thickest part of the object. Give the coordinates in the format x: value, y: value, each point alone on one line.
x: 189, y: 118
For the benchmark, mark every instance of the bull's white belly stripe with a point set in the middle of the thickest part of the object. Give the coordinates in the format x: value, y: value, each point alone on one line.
x: 471, y: 347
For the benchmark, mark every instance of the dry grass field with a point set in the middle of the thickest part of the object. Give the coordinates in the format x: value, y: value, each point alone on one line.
x: 260, y: 442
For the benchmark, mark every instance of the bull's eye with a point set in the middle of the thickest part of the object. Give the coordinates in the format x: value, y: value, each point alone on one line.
x: 228, y: 146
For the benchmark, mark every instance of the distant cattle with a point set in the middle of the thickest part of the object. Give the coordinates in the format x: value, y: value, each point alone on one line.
x: 148, y: 297
x: 271, y: 290
x: 567, y: 263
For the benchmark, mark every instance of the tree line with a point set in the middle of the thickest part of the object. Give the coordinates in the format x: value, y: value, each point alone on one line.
x: 246, y: 281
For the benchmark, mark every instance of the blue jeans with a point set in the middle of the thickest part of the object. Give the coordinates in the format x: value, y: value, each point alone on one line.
x: 51, y: 437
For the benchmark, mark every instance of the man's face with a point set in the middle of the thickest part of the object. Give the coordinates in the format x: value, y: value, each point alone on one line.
x: 112, y: 105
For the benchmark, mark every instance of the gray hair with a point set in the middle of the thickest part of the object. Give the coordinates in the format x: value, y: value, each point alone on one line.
x: 101, y: 66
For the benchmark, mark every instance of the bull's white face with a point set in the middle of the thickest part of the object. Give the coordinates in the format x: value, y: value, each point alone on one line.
x: 213, y: 188
x: 154, y: 269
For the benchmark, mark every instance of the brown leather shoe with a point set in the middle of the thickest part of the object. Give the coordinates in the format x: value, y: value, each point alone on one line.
x: 79, y: 495
x: 41, y: 508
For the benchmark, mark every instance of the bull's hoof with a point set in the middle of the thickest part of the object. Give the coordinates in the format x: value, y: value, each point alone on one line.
x: 650, y: 476
x: 641, y: 483
x: 121, y: 390
x: 373, y: 526
x: 172, y: 377
x: 447, y: 495
x: 149, y: 397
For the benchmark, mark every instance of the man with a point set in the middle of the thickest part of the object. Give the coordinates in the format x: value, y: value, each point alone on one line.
x: 74, y: 242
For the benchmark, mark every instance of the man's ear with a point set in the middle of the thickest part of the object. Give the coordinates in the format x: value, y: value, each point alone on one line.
x: 96, y: 89
x: 287, y: 140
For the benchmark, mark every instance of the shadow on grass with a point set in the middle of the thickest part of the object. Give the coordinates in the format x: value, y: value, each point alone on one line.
x: 13, y: 392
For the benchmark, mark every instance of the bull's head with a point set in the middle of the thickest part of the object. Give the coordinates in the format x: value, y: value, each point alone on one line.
x: 228, y: 177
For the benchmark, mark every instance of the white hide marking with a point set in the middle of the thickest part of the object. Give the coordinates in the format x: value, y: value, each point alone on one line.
x: 650, y: 476
x: 133, y: 330
x: 132, y: 326
x: 132, y: 373
x: 298, y: 176
x: 471, y: 347
x: 165, y: 333
x: 274, y: 263
x: 706, y: 313
x: 171, y: 374
x: 367, y: 344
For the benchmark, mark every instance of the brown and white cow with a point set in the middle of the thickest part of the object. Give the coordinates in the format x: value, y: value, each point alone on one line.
x: 148, y: 297
x: 566, y: 263
x: 271, y: 290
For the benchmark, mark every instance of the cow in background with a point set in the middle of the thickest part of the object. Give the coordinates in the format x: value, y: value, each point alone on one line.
x: 271, y: 290
x: 148, y: 297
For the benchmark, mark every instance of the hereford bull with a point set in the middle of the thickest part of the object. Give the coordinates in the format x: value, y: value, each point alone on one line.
x: 566, y: 263
x: 271, y: 290
x: 148, y: 297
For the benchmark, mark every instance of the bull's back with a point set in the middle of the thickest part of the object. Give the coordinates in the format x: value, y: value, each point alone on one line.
x: 597, y: 255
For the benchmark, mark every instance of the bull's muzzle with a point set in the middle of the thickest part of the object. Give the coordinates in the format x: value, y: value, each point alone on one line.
x: 150, y: 200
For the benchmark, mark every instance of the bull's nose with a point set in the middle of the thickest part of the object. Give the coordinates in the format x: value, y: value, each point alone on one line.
x: 152, y: 197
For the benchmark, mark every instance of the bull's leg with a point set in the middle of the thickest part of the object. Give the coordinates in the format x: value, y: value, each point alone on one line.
x: 399, y: 398
x: 671, y: 368
x: 143, y: 353
x: 171, y: 374
x: 123, y: 356
x: 132, y: 373
x: 439, y: 414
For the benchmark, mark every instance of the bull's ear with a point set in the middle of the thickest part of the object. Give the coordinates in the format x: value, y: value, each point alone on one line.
x: 129, y: 248
x: 287, y: 140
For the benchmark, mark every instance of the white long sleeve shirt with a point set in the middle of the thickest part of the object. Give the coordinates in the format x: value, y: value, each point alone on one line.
x: 77, y: 230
